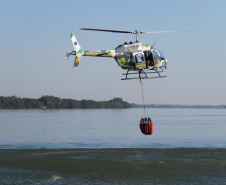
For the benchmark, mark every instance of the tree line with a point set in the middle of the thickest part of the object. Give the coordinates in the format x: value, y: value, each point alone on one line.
x: 51, y: 102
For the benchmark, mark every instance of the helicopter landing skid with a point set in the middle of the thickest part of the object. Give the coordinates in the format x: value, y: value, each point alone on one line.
x: 142, y: 74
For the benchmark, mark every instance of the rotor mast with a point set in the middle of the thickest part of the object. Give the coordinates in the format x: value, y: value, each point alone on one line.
x: 136, y: 33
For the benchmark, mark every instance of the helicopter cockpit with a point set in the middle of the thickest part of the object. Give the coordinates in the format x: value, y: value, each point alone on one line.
x: 154, y: 58
x: 163, y: 60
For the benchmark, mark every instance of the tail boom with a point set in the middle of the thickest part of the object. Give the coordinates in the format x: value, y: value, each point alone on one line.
x: 79, y: 53
x: 100, y: 53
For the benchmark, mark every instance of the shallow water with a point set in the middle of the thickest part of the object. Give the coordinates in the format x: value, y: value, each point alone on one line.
x: 111, y: 128
x: 113, y: 166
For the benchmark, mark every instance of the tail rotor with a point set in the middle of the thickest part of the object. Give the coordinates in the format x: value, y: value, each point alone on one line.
x: 67, y: 55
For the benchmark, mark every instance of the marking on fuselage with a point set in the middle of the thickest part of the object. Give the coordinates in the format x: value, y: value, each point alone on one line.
x: 107, y: 55
x: 91, y: 54
x: 141, y: 65
x: 122, y: 61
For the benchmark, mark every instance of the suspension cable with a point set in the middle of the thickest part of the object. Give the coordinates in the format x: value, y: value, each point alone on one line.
x: 142, y: 92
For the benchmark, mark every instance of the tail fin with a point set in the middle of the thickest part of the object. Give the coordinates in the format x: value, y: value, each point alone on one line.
x: 78, y: 51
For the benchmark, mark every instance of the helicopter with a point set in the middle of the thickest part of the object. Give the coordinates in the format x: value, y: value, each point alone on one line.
x: 136, y: 58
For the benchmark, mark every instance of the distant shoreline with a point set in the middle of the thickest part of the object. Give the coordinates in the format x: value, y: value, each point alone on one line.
x: 179, y: 106
x: 52, y: 102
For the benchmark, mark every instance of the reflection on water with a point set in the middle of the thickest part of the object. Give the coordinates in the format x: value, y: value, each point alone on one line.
x: 111, y: 128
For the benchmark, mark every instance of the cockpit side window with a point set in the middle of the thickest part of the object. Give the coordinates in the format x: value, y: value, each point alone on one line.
x: 139, y: 58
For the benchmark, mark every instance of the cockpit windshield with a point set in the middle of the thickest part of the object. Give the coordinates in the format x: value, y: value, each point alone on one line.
x: 162, y: 56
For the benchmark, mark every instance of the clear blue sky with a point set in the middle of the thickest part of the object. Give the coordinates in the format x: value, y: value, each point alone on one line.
x: 34, y: 35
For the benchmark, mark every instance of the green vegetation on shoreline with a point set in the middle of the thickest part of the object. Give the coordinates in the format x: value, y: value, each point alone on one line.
x: 51, y: 102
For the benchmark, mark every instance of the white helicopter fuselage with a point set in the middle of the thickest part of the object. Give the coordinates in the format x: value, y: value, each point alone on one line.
x: 133, y: 55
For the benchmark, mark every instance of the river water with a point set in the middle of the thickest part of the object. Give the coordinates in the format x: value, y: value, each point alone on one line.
x: 97, y: 146
x: 112, y: 128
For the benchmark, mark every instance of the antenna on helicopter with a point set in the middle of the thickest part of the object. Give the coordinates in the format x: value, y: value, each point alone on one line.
x: 153, y: 45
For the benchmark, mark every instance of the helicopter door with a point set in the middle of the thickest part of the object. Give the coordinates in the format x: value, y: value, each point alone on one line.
x: 140, y: 62
x: 156, y: 58
x: 149, y: 59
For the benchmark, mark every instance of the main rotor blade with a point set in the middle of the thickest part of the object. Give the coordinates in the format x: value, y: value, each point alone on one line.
x: 161, y: 31
x: 115, y: 31
x: 133, y: 32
